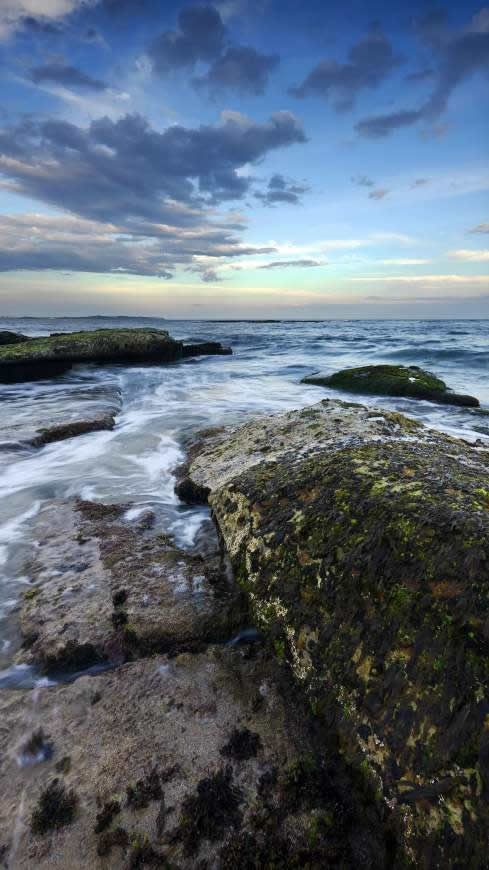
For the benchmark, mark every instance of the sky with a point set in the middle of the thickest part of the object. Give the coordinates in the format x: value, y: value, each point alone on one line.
x: 244, y: 158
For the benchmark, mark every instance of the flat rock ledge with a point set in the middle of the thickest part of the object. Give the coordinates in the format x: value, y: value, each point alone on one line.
x: 362, y: 541
x: 53, y: 355
x: 104, y: 591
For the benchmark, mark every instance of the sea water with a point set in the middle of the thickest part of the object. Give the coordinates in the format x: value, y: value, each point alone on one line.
x: 160, y: 406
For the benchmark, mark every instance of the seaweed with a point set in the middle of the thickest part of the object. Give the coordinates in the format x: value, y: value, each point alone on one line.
x: 56, y: 808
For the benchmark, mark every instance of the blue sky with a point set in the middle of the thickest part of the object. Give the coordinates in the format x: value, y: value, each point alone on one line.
x: 244, y: 158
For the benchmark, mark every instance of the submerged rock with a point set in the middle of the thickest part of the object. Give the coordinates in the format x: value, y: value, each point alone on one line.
x: 57, y: 353
x: 393, y: 380
x: 104, y: 590
x: 70, y: 411
x: 362, y: 542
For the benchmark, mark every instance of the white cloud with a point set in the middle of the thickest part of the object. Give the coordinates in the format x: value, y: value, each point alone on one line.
x: 12, y: 12
x: 403, y: 262
x: 426, y: 279
x: 470, y: 256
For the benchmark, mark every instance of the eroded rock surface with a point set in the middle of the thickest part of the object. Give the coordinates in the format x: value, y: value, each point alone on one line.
x: 194, y: 761
x: 104, y: 590
x: 362, y: 541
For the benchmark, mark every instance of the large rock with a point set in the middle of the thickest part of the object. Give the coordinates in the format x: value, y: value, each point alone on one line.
x: 7, y: 337
x: 389, y: 380
x: 362, y: 541
x: 191, y: 762
x: 105, y: 590
x: 55, y: 354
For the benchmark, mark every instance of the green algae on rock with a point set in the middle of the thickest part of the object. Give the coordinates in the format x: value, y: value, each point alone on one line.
x: 393, y: 380
x: 367, y: 566
x: 57, y: 353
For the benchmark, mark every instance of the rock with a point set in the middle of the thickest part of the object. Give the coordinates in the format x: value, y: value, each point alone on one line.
x: 220, y: 454
x: 206, y: 347
x: 389, y: 380
x: 7, y: 337
x: 104, y: 590
x: 363, y: 546
x: 193, y: 761
x: 71, y: 430
x: 55, y: 354
x: 74, y: 410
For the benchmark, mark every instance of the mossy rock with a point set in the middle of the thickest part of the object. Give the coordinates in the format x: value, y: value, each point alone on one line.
x: 7, y: 337
x: 368, y: 569
x: 389, y: 380
x: 55, y: 354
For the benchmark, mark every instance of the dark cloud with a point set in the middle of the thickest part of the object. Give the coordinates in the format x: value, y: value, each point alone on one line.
x: 459, y: 58
x: 362, y: 180
x: 432, y: 26
x: 369, y: 63
x: 381, y: 126
x: 200, y: 36
x: 421, y: 75
x: 125, y: 167
x: 380, y: 193
x: 40, y: 26
x: 480, y: 228
x: 157, y: 191
x: 69, y: 76
x: 280, y: 189
x: 287, y: 264
x: 241, y: 69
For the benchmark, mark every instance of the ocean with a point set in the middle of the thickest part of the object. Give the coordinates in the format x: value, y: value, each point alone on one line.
x: 161, y: 406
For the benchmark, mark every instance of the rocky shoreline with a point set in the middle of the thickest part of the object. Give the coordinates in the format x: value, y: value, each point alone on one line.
x: 308, y: 689
x: 26, y: 359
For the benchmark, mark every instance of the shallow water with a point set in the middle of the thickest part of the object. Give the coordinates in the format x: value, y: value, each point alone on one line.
x: 162, y: 405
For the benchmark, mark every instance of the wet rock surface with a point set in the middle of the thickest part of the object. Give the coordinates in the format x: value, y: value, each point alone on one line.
x: 362, y: 542
x: 140, y: 774
x: 72, y: 411
x: 393, y: 380
x: 105, y: 590
x: 56, y: 354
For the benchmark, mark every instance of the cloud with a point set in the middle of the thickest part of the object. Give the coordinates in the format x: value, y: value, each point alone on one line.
x: 480, y: 228
x: 159, y: 190
x: 362, y: 180
x: 288, y: 264
x: 426, y: 279
x: 36, y: 242
x: 281, y: 190
x: 458, y: 58
x: 407, y: 261
x: 17, y: 14
x: 68, y: 76
x: 380, y: 193
x: 369, y: 63
x: 421, y: 75
x: 200, y: 36
x: 241, y: 69
x: 470, y: 256
x: 380, y: 126
x: 125, y: 167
